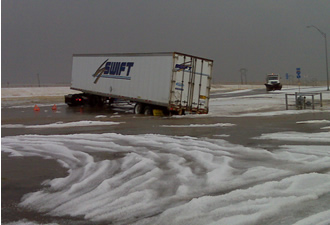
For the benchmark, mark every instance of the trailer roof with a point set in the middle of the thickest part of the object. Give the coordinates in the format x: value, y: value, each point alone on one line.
x: 142, y: 54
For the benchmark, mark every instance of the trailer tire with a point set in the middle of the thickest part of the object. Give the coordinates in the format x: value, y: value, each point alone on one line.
x: 148, y: 111
x: 138, y: 108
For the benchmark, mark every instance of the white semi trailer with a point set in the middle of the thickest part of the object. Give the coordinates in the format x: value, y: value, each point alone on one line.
x: 173, y: 82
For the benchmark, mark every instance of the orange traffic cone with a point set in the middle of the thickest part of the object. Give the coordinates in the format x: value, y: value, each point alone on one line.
x: 54, y: 107
x: 36, y: 108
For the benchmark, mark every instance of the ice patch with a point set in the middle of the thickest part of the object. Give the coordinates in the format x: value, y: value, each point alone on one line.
x: 322, y: 218
x: 23, y: 92
x: 249, y: 206
x: 32, y: 105
x: 298, y: 136
x: 26, y: 222
x: 221, y: 135
x: 101, y: 116
x: 62, y: 125
x: 314, y: 121
x: 158, y: 179
x: 202, y: 125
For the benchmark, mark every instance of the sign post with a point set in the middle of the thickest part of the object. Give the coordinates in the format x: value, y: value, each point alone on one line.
x: 298, y: 76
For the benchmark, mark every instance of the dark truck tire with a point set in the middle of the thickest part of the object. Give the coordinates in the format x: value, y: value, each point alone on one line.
x: 148, y: 111
x: 138, y: 108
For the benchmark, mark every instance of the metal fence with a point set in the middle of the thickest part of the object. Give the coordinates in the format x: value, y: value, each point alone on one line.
x: 303, y: 100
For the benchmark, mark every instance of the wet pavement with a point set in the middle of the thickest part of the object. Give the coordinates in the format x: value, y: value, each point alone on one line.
x: 245, y: 127
x: 24, y: 175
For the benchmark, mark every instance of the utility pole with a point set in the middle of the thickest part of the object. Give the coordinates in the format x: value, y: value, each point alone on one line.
x: 326, y: 52
x: 38, y: 79
x: 243, y: 72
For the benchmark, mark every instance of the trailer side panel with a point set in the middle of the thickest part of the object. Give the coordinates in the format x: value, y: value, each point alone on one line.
x: 135, y: 77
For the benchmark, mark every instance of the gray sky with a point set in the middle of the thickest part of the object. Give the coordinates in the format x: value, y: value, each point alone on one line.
x: 40, y: 36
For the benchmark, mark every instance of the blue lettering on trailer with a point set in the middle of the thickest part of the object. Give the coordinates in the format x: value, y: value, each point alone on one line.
x: 179, y: 86
x: 186, y: 67
x: 114, y: 70
x: 183, y: 66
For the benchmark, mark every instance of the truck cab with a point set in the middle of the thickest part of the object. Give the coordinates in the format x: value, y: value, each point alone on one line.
x: 273, y: 82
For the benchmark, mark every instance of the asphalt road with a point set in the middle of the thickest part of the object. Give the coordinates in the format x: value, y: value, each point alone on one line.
x: 24, y: 175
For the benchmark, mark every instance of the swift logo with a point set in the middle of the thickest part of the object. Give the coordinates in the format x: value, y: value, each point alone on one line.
x: 113, y: 70
x: 179, y: 86
x: 183, y: 66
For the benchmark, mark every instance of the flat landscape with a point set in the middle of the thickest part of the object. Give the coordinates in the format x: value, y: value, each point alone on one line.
x: 248, y: 161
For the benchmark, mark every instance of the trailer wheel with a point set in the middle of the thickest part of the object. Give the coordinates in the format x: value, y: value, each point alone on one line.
x: 138, y: 108
x: 148, y: 111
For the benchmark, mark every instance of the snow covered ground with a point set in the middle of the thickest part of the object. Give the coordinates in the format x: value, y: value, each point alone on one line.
x: 160, y: 179
x: 7, y: 93
x: 267, y: 104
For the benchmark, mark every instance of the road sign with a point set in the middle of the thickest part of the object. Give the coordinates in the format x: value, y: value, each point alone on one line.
x: 298, y: 70
x: 298, y: 73
x: 287, y: 76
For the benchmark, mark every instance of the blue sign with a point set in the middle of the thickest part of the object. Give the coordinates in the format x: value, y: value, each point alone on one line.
x: 287, y: 76
x: 298, y: 73
x: 298, y: 70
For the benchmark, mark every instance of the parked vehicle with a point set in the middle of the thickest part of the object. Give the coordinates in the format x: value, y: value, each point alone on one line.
x: 173, y: 82
x: 273, y: 82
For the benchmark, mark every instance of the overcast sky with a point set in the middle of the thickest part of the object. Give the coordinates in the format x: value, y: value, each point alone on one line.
x: 263, y: 36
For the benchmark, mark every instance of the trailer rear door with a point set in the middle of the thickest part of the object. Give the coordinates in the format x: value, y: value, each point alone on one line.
x: 191, y: 82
